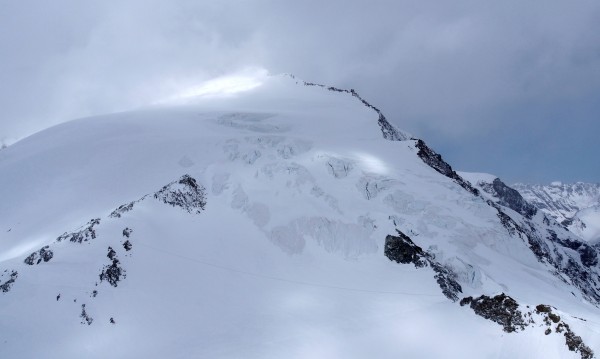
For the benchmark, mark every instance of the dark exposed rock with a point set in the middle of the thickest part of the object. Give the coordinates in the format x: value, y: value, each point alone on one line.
x: 44, y: 254
x: 542, y: 308
x: 465, y: 301
x: 7, y: 284
x: 117, y: 213
x: 435, y: 161
x: 569, y: 243
x: 573, y: 341
x: 112, y: 273
x: 553, y: 317
x: 85, y: 234
x: 127, y: 245
x: 111, y: 253
x: 501, y: 309
x: 576, y: 344
x: 402, y: 249
x: 85, y: 318
x: 127, y: 232
x: 509, y: 197
x: 185, y: 193
x: 587, y: 254
x: 445, y: 279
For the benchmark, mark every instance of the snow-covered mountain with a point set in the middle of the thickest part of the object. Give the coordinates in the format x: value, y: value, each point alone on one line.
x: 292, y: 220
x: 576, y: 205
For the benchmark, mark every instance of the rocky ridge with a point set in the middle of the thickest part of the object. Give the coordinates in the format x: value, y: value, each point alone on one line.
x: 184, y: 193
x: 389, y: 132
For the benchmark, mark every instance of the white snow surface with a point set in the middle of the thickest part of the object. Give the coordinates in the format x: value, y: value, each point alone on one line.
x: 287, y: 258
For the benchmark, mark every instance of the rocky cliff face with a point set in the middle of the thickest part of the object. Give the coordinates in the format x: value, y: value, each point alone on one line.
x: 509, y: 197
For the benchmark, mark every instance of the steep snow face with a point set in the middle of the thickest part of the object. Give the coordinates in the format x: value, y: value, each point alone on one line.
x: 285, y: 222
x: 575, y: 205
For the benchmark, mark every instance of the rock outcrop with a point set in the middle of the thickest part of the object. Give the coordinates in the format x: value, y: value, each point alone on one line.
x: 402, y: 249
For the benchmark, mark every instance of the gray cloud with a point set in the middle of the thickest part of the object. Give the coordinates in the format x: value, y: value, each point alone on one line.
x: 504, y: 87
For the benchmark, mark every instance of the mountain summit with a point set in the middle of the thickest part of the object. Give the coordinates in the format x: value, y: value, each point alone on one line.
x: 291, y: 220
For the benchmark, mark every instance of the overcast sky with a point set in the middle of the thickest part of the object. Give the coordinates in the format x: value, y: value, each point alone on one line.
x: 508, y: 87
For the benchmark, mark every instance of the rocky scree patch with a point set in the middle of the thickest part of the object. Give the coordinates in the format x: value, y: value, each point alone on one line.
x: 185, y: 193
x: 44, y: 254
x: 83, y: 235
x: 124, y: 208
x: 504, y: 310
x: 501, y: 309
x: 7, y: 284
x: 112, y: 273
x: 85, y: 318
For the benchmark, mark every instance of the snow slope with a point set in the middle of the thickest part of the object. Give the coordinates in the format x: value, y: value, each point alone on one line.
x: 275, y: 243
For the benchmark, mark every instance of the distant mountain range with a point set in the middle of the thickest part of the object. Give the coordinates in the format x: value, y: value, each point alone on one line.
x: 575, y: 205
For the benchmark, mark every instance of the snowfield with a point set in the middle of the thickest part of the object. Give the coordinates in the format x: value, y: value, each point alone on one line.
x: 268, y: 240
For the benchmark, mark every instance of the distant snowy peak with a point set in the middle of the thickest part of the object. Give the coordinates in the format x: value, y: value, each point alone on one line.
x: 575, y: 205
x: 561, y: 200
